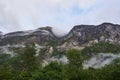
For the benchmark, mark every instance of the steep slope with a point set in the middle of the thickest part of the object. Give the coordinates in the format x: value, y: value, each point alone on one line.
x: 99, y: 43
x: 41, y: 36
x: 79, y: 37
x: 39, y: 54
x: 85, y: 35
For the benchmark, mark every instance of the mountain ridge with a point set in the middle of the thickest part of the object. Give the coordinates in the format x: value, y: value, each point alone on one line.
x: 49, y: 28
x: 79, y: 35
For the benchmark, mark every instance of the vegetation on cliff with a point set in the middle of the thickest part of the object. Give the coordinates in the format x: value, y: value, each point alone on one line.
x: 27, y: 66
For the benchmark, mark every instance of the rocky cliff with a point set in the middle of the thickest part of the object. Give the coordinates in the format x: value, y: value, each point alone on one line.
x: 79, y: 37
x: 85, y: 35
x: 41, y: 36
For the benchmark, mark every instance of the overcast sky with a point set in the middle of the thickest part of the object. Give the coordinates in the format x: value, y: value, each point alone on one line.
x: 62, y: 15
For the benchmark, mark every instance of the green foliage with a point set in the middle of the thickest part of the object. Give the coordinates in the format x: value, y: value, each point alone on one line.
x: 28, y: 59
x: 51, y: 72
x: 102, y: 47
x: 25, y: 66
x: 75, y: 58
x: 5, y: 72
x: 4, y: 58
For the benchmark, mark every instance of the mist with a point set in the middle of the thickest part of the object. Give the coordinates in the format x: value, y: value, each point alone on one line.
x: 101, y: 60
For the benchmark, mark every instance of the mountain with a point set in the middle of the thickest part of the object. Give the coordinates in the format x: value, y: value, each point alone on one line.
x: 79, y: 36
x: 87, y: 52
x: 41, y: 36
x: 85, y: 35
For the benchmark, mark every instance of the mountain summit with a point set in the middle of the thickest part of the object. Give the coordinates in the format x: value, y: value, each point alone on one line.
x: 79, y: 36
x: 87, y: 52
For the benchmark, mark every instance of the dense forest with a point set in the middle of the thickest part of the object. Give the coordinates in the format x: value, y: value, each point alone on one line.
x: 26, y: 66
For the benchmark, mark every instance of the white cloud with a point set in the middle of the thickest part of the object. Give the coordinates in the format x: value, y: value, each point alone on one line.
x: 61, y: 14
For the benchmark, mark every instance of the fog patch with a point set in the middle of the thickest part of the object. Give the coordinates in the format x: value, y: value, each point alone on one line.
x: 8, y: 49
x: 100, y: 60
x: 62, y: 59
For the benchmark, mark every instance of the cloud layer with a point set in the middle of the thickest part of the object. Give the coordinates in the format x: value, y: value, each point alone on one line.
x: 60, y: 14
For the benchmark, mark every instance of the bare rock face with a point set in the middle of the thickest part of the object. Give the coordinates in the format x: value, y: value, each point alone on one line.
x: 79, y: 37
x: 103, y: 32
x: 41, y: 36
x: 85, y: 35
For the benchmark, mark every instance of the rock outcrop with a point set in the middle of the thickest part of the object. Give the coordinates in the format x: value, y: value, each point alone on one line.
x: 79, y: 37
x: 85, y: 35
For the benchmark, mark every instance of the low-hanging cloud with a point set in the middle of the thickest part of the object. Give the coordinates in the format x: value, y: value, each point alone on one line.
x: 62, y: 15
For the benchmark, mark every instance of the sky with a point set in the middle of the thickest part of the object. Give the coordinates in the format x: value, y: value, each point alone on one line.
x: 62, y: 15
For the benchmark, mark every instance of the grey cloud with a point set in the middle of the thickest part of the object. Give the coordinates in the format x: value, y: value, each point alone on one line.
x: 31, y: 14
